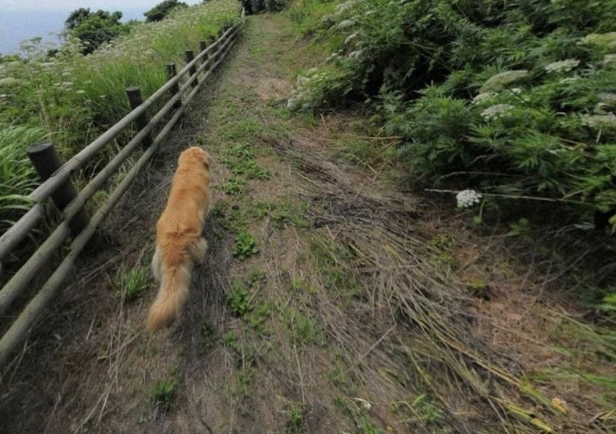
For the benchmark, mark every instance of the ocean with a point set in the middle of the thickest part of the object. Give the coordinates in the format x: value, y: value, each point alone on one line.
x: 17, y: 25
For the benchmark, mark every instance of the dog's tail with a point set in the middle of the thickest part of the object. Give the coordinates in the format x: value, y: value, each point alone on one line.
x: 171, y: 296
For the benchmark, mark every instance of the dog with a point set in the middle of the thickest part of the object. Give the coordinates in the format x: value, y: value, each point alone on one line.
x: 179, y: 240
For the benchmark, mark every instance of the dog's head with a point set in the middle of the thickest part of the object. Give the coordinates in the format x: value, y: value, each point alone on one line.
x: 196, y: 153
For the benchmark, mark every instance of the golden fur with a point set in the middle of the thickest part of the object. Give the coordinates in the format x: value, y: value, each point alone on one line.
x: 179, y: 241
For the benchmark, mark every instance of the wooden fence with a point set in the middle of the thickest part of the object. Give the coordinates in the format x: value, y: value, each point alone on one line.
x: 57, y: 184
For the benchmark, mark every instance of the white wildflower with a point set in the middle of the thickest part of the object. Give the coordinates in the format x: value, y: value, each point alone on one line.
x: 356, y: 54
x: 606, y: 40
x: 485, y: 96
x: 468, y: 198
x: 503, y: 79
x: 342, y: 7
x: 350, y: 38
x: 609, y: 60
x: 568, y: 80
x: 562, y: 66
x: 496, y: 111
x: 81, y: 92
x: 332, y: 57
x: 600, y: 121
x: 291, y: 104
x: 302, y: 80
x: 515, y: 90
x: 9, y: 81
x: 346, y: 23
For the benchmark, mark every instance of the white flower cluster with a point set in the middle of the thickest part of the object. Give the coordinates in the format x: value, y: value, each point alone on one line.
x: 343, y: 7
x: 497, y: 111
x: 606, y: 40
x: 484, y: 97
x: 503, y: 79
x: 303, y: 95
x: 346, y: 23
x: 609, y: 60
x: 600, y: 121
x: 562, y: 66
x: 468, y: 198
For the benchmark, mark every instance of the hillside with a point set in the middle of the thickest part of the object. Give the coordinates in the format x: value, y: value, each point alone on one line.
x: 332, y: 299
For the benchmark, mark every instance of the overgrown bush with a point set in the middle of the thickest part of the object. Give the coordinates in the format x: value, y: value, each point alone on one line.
x: 514, y: 99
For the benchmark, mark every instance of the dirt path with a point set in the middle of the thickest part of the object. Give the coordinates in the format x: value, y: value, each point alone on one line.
x: 329, y: 302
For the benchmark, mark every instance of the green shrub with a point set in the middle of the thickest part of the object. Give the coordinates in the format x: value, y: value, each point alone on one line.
x: 515, y: 100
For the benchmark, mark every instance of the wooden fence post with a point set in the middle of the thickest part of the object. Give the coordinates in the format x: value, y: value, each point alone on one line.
x: 189, y: 57
x: 202, y: 48
x: 134, y: 98
x: 46, y: 161
x: 172, y: 72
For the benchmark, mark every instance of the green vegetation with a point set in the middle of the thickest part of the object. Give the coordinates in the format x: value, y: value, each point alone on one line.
x: 163, y: 393
x: 71, y: 98
x: 515, y: 101
x: 17, y: 176
x: 132, y: 281
x: 245, y: 246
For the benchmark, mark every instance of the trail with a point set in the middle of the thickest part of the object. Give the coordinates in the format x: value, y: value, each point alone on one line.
x: 329, y: 301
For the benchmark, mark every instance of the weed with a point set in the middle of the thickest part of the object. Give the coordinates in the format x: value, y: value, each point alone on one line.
x: 163, y: 393
x: 250, y: 169
x: 239, y: 299
x: 302, y: 329
x: 208, y: 336
x: 244, y: 379
x: 247, y: 129
x: 245, y: 246
x: 132, y: 282
x: 285, y: 214
x: 234, y: 186
x: 296, y: 418
x: 426, y: 410
x: 329, y: 259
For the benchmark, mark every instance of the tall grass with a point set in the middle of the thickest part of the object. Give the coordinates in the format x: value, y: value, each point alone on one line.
x: 71, y: 98
x: 17, y: 177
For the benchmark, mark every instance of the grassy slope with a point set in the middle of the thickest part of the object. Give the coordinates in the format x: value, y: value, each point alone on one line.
x: 328, y: 303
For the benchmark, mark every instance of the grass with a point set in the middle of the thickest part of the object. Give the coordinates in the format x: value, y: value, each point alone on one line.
x: 17, y: 175
x: 132, y: 281
x: 163, y: 393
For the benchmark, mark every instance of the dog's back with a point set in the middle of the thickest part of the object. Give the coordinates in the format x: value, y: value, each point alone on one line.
x: 178, y: 236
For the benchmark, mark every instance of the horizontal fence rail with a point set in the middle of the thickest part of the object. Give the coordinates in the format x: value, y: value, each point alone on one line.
x: 197, y: 69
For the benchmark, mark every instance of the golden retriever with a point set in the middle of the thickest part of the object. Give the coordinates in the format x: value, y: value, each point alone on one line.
x: 179, y: 241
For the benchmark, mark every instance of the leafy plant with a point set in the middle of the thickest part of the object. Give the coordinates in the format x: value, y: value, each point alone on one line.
x: 245, y: 246
x: 163, y: 393
x: 513, y: 100
x: 239, y: 300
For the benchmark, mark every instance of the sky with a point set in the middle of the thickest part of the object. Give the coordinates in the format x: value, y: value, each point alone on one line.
x: 109, y: 5
x: 25, y: 19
